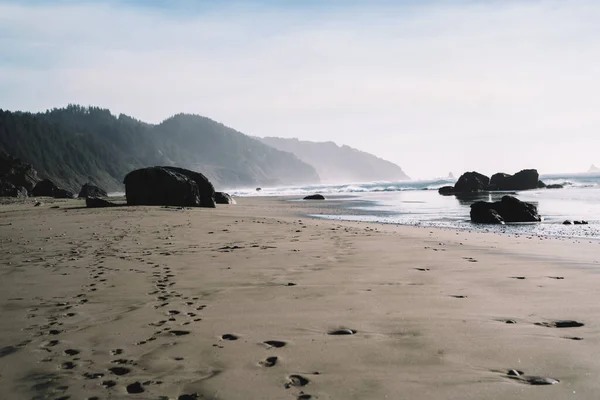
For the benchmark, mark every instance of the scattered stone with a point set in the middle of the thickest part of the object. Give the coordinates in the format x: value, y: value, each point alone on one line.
x: 315, y: 197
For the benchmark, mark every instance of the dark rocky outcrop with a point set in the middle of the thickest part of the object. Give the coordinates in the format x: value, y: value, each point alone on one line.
x: 471, y: 182
x: 168, y: 186
x: 522, y: 180
x: 63, y: 194
x: 94, y: 202
x: 582, y: 222
x: 474, y: 182
x: 223, y: 198
x: 509, y: 209
x: 554, y: 186
x: 7, y: 189
x: 46, y: 188
x: 89, y: 190
x: 315, y: 197
x: 17, y: 177
x: 567, y: 222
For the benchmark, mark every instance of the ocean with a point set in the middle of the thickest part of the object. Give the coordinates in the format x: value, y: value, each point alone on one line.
x: 418, y: 203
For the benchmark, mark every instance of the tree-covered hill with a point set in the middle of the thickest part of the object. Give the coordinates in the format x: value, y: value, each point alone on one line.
x: 76, y: 144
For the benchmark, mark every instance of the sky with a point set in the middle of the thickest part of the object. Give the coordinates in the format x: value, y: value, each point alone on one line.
x: 434, y: 86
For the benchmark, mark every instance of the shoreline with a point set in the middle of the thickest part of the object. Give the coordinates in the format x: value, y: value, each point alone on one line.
x: 438, y: 313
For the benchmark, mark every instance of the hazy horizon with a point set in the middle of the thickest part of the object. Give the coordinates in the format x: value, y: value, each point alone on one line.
x: 433, y: 86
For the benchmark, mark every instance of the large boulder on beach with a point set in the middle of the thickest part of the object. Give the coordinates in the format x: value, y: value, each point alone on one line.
x: 223, y: 198
x: 315, y: 197
x: 522, y: 180
x: 89, y: 190
x: 509, y: 209
x: 471, y: 182
x: 63, y: 194
x: 168, y: 186
x: 17, y: 177
x: 44, y: 188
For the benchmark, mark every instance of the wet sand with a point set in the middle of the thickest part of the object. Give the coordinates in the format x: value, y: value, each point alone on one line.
x: 255, y: 301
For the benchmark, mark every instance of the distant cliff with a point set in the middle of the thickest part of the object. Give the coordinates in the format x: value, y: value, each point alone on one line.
x: 336, y: 164
x: 594, y: 170
x: 74, y: 145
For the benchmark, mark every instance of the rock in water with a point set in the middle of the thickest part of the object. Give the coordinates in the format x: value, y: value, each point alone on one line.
x: 509, y: 209
x: 446, y: 190
x: 168, y: 186
x: 89, y: 190
x: 223, y: 198
x: 471, y: 182
x: 315, y: 197
x: 555, y: 186
x: 17, y: 178
x: 522, y: 180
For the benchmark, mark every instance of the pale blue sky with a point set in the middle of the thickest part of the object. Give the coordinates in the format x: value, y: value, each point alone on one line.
x: 434, y: 86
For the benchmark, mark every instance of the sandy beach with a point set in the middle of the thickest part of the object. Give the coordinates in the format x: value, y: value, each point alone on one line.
x: 239, y: 302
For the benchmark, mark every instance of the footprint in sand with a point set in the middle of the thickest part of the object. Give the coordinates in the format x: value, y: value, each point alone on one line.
x: 556, y: 277
x: 458, y: 296
x: 71, y: 352
x: 179, y: 333
x: 296, y: 381
x: 192, y: 396
x: 517, y: 277
x: 68, y: 365
x: 268, y: 362
x: 275, y: 343
x: 134, y: 388
x: 108, y: 384
x: 119, y: 370
x: 229, y: 336
x: 304, y: 396
x: 422, y: 269
x: 343, y: 331
x: 529, y: 379
x: 560, y: 324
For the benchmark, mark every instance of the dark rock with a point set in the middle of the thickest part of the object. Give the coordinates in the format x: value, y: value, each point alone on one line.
x: 522, y: 180
x: 63, y: 194
x: 567, y: 222
x: 315, y: 197
x: 582, y: 222
x: 89, y: 190
x: 446, y: 190
x: 18, y: 174
x: 168, y: 186
x: 47, y: 188
x: 258, y: 189
x: 223, y: 198
x: 541, y: 185
x: 44, y: 188
x: 8, y: 189
x: 555, y: 186
x: 93, y: 202
x: 508, y: 209
x: 471, y: 182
